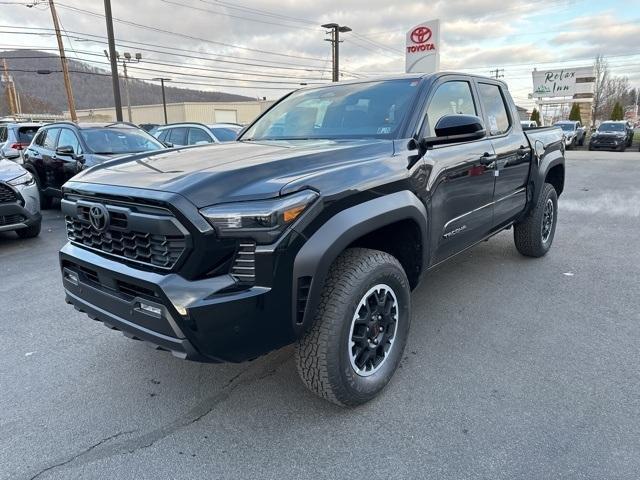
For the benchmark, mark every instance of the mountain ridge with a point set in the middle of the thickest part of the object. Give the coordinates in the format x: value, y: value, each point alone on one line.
x: 92, y: 87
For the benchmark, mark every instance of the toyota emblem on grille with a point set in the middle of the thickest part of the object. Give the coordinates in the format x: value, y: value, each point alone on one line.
x: 99, y: 217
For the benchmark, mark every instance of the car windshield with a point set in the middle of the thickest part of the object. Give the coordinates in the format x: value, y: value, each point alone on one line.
x: 567, y: 127
x: 611, y: 127
x: 361, y: 110
x: 225, y: 134
x: 109, y: 140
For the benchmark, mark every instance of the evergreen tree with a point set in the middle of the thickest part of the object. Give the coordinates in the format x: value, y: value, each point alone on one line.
x: 617, y: 113
x: 535, y: 116
x: 574, y: 115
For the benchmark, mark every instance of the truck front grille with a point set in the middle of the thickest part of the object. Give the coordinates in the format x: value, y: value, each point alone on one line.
x: 142, y: 235
x: 7, y: 194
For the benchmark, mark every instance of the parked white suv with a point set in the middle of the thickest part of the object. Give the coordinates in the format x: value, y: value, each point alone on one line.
x: 181, y: 134
x: 15, y: 137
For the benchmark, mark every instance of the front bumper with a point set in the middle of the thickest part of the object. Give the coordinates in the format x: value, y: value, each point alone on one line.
x: 23, y: 213
x: 607, y: 144
x: 203, y: 320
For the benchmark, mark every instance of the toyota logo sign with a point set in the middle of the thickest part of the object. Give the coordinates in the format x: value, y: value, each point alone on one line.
x: 99, y: 217
x: 421, y: 35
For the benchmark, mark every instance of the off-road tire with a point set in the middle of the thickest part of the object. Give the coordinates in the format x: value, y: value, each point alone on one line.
x: 31, y: 231
x: 528, y: 233
x: 323, y: 353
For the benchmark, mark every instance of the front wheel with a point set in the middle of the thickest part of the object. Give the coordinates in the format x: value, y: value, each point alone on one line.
x: 533, y: 236
x: 361, y: 327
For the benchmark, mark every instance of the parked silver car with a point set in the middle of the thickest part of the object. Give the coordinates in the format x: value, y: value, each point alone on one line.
x: 19, y: 201
x: 188, y: 133
x: 574, y: 132
x: 15, y: 137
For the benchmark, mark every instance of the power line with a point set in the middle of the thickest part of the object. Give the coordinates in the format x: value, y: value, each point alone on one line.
x: 128, y: 43
x: 183, y: 35
x: 192, y: 7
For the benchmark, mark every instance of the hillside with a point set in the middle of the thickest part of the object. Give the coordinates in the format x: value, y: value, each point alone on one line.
x: 46, y: 93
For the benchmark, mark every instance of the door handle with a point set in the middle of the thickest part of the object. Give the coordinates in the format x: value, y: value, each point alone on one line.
x: 522, y: 151
x: 487, y: 158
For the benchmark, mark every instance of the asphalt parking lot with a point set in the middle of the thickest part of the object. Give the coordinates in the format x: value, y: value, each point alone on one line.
x: 515, y: 368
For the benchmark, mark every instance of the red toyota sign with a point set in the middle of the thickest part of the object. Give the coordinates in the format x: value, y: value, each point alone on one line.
x: 421, y: 35
x: 422, y: 47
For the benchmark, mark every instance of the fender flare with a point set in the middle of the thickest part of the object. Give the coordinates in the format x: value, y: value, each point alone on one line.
x: 315, y: 257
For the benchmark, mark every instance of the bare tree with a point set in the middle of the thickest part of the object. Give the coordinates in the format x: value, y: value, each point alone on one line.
x: 601, y: 74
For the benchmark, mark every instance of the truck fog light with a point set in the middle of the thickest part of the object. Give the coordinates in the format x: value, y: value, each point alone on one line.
x: 155, y: 311
x: 71, y: 277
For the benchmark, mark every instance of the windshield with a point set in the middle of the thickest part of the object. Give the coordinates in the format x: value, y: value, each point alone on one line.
x: 108, y: 141
x: 226, y: 134
x: 373, y: 109
x: 567, y: 127
x: 611, y: 127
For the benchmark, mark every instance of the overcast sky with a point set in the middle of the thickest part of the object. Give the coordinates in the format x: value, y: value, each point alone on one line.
x: 278, y: 43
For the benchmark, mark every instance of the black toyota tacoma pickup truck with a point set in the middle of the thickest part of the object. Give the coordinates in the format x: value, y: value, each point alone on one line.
x: 313, y: 227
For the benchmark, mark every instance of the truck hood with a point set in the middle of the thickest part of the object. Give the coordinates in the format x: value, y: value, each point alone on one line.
x: 232, y: 172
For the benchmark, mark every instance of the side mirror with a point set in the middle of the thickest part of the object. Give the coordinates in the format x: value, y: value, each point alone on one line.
x: 456, y: 128
x: 168, y: 144
x: 66, y: 150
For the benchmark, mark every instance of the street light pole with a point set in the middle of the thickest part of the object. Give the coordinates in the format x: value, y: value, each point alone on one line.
x: 335, y: 31
x: 127, y: 59
x: 164, y: 98
x: 114, y: 60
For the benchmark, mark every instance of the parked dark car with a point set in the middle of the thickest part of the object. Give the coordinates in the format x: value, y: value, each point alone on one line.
x: 313, y: 227
x: 611, y: 135
x: 61, y: 150
x: 15, y: 137
x: 190, y: 133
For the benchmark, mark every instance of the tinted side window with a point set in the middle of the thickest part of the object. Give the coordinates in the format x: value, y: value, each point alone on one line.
x: 197, y: 135
x: 178, y: 136
x: 3, y: 134
x: 450, y: 98
x: 162, y: 135
x: 50, y: 139
x: 40, y: 138
x: 68, y: 139
x: 495, y: 108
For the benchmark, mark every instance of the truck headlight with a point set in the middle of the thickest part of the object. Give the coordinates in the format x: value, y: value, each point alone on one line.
x: 264, y: 220
x: 24, y: 179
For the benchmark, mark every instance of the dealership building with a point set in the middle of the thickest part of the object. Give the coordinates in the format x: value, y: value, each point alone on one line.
x: 202, y: 112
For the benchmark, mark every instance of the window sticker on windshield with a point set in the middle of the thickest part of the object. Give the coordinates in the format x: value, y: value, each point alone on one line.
x: 384, y: 130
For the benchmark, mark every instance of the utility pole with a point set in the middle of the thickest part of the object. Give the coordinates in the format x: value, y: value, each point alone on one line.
x: 164, y: 98
x: 8, y: 88
x: 114, y: 60
x: 65, y: 66
x: 497, y: 73
x: 335, y: 30
x: 127, y: 59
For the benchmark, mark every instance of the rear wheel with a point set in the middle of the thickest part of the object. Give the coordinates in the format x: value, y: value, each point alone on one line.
x: 361, y: 327
x: 533, y: 236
